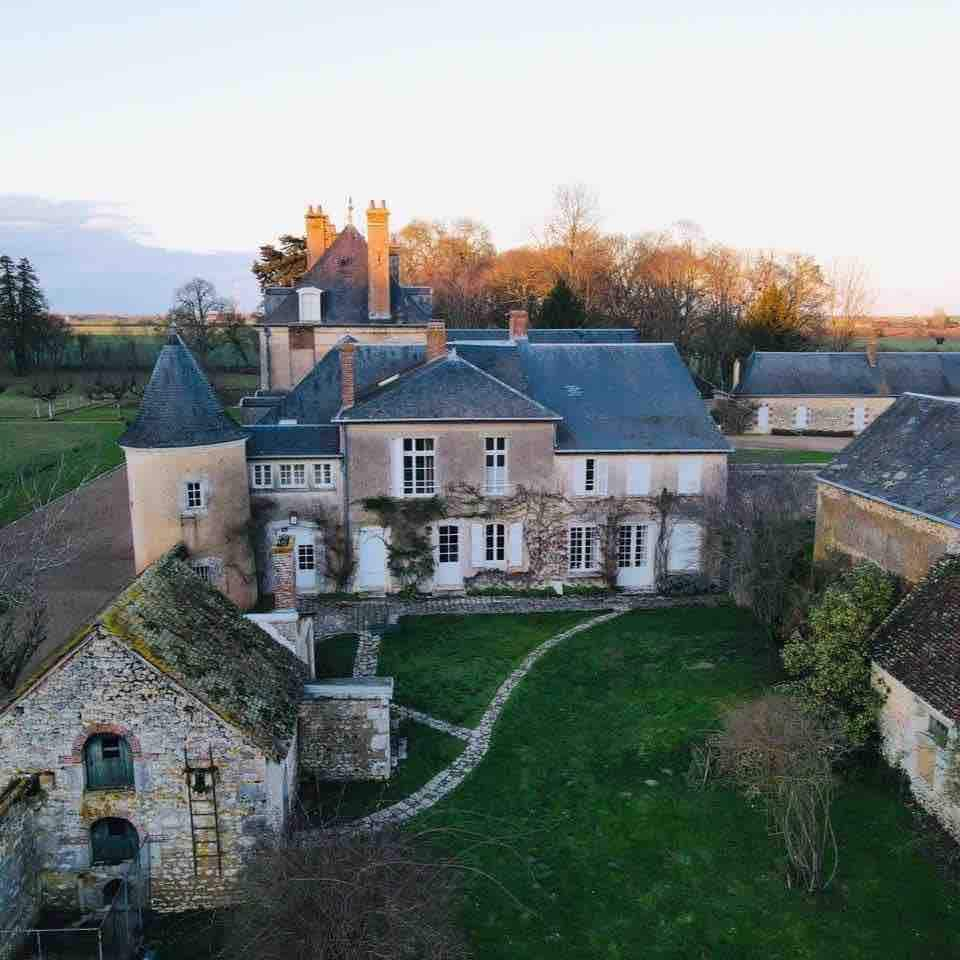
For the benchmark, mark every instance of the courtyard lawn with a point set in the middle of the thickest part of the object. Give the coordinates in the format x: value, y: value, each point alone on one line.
x: 781, y: 456
x: 334, y: 656
x: 451, y: 666
x: 34, y: 450
x: 428, y: 752
x: 615, y: 856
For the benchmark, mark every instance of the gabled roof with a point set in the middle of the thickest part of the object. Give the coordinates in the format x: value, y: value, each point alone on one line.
x: 809, y: 374
x: 449, y: 388
x: 919, y: 643
x: 612, y: 397
x: 548, y: 335
x: 179, y: 407
x: 269, y: 440
x: 909, y: 458
x: 341, y: 273
x: 189, y: 631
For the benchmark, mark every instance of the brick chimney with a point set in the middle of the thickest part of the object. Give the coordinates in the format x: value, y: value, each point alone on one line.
x: 284, y: 576
x: 519, y: 321
x: 378, y: 261
x: 436, y: 339
x: 872, y: 349
x: 347, y: 377
x: 395, y: 262
x: 318, y: 228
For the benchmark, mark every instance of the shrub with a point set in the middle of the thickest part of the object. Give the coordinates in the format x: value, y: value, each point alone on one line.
x: 733, y: 416
x: 829, y: 656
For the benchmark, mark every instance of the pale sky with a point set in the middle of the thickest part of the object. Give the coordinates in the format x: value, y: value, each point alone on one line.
x: 828, y: 128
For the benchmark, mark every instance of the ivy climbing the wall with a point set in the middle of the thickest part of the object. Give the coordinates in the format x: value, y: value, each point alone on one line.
x: 409, y: 549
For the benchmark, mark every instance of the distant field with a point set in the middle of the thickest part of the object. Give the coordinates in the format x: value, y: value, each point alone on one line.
x: 951, y: 344
x: 781, y: 456
x: 34, y: 451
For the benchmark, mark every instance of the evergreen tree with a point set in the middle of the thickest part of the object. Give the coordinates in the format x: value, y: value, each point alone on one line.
x: 562, y: 308
x: 10, y: 337
x: 31, y: 319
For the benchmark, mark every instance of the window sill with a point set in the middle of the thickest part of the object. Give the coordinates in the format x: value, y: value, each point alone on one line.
x: 126, y: 790
x: 418, y: 496
x: 193, y: 514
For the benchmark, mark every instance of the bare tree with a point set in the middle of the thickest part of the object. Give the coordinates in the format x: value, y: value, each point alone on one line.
x: 850, y: 302
x: 30, y: 547
x: 50, y: 391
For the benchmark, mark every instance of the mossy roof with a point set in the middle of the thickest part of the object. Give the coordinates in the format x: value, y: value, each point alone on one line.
x: 197, y: 637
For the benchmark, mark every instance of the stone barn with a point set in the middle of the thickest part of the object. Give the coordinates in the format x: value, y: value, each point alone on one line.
x: 162, y: 734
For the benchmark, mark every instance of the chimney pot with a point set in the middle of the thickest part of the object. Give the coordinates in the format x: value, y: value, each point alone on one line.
x: 347, y: 374
x: 519, y: 322
x: 378, y: 262
x: 436, y: 340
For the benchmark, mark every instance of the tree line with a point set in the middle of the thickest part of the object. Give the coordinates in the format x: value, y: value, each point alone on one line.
x: 713, y: 301
x: 29, y: 332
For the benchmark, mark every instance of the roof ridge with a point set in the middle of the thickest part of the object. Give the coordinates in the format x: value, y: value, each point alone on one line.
x: 497, y: 380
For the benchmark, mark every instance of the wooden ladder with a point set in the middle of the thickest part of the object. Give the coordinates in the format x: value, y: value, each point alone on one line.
x: 201, y: 779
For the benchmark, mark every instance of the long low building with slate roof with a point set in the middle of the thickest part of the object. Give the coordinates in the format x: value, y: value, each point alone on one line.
x: 916, y: 666
x: 839, y: 393
x: 893, y: 495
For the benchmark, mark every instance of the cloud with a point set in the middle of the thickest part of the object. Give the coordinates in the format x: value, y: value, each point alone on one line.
x: 91, y: 258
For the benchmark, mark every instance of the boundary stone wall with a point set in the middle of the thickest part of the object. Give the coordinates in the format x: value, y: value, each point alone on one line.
x: 20, y: 857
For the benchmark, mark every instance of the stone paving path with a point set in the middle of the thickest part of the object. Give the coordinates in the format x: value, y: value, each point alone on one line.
x: 368, y: 655
x: 478, y: 743
x: 408, y: 713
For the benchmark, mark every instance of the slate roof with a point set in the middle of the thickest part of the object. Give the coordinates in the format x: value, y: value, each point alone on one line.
x: 292, y: 441
x: 612, y: 397
x: 450, y: 388
x: 809, y: 374
x: 179, y: 407
x: 919, y: 643
x: 909, y: 457
x: 191, y: 632
x: 341, y: 273
x: 549, y: 335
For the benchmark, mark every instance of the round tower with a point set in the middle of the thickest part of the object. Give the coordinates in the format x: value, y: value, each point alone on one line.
x: 187, y: 477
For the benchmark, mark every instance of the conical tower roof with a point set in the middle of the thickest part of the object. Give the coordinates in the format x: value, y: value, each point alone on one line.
x: 179, y: 407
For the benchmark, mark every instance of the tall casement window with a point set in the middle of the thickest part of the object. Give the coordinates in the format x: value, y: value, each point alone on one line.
x: 262, y: 475
x: 495, y: 466
x: 632, y: 546
x: 193, y: 495
x: 801, y: 417
x: 448, y: 543
x: 323, y: 475
x: 495, y: 542
x: 306, y: 557
x: 419, y: 467
x: 293, y: 475
x: 590, y: 477
x: 107, y: 762
x: 113, y: 840
x: 583, y: 548
x: 311, y: 305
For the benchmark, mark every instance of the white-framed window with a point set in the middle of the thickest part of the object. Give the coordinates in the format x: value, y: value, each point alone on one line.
x: 590, y: 478
x: 583, y: 549
x: 632, y: 545
x: 419, y: 466
x: 448, y: 541
x: 323, y: 475
x: 939, y: 732
x: 801, y: 417
x: 495, y: 465
x: 311, y: 305
x: 293, y: 475
x: 495, y: 542
x: 689, y: 473
x: 306, y: 557
x: 193, y: 498
x: 262, y: 475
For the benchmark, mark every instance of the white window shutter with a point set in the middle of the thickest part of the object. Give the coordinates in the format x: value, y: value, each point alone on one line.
x: 396, y: 466
x: 684, y: 551
x: 638, y: 481
x: 689, y: 472
x: 578, y: 476
x: 515, y: 556
x: 478, y: 545
x: 603, y: 477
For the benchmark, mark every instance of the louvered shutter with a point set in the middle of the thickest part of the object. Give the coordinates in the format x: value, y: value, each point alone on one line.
x: 478, y: 545
x: 638, y: 481
x: 603, y: 477
x: 689, y: 471
x: 684, y: 553
x: 396, y: 466
x: 515, y: 555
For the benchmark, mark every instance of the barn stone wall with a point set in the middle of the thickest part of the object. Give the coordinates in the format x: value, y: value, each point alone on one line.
x: 104, y: 687
x: 828, y: 414
x: 345, y: 729
x: 902, y: 543
x: 20, y: 860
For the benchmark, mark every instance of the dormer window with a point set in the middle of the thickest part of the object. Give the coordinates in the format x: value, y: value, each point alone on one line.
x: 311, y: 304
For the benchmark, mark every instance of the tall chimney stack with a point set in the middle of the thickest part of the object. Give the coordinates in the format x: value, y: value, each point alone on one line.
x: 378, y: 261
x: 347, y: 375
x: 436, y: 340
x: 519, y: 322
x: 317, y: 227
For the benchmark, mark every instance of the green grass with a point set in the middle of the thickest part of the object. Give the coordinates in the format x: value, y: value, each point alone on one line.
x: 781, y: 456
x: 428, y: 752
x: 34, y: 450
x: 609, y: 866
x: 335, y: 655
x: 910, y: 343
x: 451, y: 666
